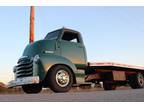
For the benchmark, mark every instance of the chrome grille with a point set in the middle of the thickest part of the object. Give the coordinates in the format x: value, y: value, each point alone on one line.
x: 24, y: 68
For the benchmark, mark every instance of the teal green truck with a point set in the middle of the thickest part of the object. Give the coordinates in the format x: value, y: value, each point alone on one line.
x: 59, y: 62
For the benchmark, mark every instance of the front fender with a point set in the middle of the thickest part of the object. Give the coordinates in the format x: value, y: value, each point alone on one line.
x: 49, y: 60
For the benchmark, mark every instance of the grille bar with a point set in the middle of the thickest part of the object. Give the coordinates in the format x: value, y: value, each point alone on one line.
x: 24, y: 68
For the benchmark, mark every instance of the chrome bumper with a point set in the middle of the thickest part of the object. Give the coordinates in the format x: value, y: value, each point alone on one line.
x: 24, y: 81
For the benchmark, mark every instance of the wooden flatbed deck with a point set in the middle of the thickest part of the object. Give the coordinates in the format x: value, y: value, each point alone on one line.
x: 118, y: 72
x: 115, y: 66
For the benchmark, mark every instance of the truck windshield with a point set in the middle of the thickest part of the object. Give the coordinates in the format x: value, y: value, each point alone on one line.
x: 52, y: 35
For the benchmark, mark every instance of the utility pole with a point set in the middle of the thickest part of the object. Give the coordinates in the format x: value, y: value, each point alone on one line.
x: 32, y: 18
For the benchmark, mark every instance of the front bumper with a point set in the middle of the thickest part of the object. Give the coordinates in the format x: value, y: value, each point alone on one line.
x: 24, y: 81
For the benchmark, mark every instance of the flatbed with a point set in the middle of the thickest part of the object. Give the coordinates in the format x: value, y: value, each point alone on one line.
x: 115, y: 66
x: 112, y: 74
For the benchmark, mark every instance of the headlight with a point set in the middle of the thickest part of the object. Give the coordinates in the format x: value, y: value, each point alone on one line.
x: 14, y: 69
x: 36, y: 58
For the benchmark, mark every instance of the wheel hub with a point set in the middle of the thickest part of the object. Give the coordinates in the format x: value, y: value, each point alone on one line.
x: 141, y: 79
x: 62, y: 78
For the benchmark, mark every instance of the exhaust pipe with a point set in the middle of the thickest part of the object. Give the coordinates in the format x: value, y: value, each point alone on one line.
x: 32, y: 15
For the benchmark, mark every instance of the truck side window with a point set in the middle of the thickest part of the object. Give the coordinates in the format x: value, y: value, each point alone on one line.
x: 70, y: 36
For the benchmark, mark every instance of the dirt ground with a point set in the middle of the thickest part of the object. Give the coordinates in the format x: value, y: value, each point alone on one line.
x: 18, y: 90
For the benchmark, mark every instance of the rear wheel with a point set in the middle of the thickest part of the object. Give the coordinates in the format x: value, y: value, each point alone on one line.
x: 60, y: 79
x: 32, y: 88
x: 136, y: 81
x: 109, y: 85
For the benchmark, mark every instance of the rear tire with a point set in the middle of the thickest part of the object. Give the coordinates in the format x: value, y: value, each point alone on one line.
x: 136, y: 81
x: 109, y: 85
x: 60, y: 78
x: 32, y: 88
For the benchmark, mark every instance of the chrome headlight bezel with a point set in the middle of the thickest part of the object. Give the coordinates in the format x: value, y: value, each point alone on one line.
x: 36, y: 58
x: 14, y: 69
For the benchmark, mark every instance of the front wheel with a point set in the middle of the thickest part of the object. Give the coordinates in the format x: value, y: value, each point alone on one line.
x: 60, y: 79
x: 32, y: 88
x: 136, y: 81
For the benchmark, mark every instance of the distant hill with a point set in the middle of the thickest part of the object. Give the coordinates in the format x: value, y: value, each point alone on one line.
x: 2, y: 85
x: 5, y: 90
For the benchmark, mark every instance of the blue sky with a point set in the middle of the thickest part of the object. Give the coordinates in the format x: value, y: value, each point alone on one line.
x: 109, y: 33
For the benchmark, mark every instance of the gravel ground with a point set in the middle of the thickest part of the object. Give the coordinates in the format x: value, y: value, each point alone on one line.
x: 122, y: 94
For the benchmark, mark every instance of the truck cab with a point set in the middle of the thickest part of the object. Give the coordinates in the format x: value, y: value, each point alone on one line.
x: 52, y: 62
x: 69, y: 44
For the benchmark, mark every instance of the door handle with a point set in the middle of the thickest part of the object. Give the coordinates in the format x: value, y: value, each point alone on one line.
x: 57, y: 45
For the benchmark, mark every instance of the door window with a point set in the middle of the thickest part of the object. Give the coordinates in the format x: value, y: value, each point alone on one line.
x: 71, y: 37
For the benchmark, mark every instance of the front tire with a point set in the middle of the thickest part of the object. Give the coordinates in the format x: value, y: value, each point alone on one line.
x: 32, y: 88
x: 60, y: 79
x: 136, y: 81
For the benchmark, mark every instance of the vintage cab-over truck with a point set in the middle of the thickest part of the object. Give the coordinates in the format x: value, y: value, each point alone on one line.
x: 59, y: 61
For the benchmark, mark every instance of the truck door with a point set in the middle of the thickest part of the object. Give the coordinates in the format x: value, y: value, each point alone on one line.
x: 73, y: 49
